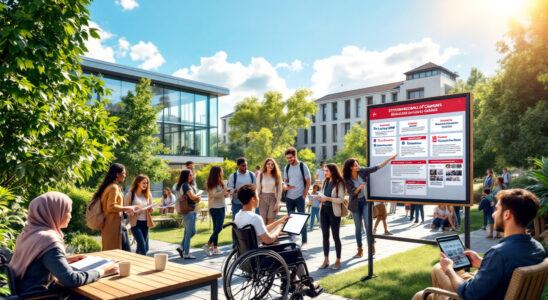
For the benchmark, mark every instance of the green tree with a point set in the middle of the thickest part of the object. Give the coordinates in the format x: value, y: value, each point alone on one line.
x: 355, y: 145
x: 231, y: 151
x: 309, y: 158
x: 228, y: 166
x: 273, y: 121
x: 49, y: 134
x: 138, y: 126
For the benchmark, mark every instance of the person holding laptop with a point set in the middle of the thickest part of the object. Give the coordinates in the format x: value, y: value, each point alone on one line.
x: 514, y: 210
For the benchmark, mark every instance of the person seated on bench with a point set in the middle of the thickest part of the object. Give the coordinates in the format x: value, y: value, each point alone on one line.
x: 514, y: 210
x: 266, y: 234
x: 39, y: 258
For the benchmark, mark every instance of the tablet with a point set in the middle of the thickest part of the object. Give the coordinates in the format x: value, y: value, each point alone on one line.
x: 452, y: 247
x: 296, y: 223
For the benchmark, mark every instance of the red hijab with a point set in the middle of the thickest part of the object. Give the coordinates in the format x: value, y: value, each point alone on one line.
x: 42, y: 232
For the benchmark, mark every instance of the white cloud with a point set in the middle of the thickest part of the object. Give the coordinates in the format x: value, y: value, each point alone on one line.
x: 123, y: 47
x: 295, y: 66
x: 148, y: 53
x: 357, y: 68
x: 127, y: 4
x: 243, y: 81
x: 96, y: 49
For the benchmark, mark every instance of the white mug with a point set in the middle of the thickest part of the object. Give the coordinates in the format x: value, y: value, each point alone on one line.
x: 125, y: 267
x: 160, y: 261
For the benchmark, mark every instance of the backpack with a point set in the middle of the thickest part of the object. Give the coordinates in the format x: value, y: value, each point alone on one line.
x: 301, y: 165
x: 95, y: 217
x: 236, y: 178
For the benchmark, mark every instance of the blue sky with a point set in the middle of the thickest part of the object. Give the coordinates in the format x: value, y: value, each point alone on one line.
x: 328, y: 46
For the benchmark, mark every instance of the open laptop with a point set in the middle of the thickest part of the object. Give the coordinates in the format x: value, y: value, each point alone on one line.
x: 452, y: 247
x: 296, y: 223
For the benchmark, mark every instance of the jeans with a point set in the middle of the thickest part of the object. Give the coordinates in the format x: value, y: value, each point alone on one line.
x: 419, y: 208
x: 328, y: 220
x: 236, y: 207
x: 189, y: 221
x: 488, y: 218
x: 457, y: 213
x: 441, y: 223
x: 314, y: 213
x: 218, y: 217
x: 140, y: 234
x: 297, y: 204
x: 412, y: 212
x: 359, y: 216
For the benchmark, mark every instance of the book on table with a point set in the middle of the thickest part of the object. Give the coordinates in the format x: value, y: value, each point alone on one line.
x: 90, y: 263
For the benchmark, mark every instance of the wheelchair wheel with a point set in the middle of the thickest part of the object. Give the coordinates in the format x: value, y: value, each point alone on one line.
x: 257, y: 274
x: 230, y: 259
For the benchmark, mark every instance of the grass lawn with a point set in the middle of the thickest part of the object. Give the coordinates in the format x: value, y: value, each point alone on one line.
x: 476, y: 219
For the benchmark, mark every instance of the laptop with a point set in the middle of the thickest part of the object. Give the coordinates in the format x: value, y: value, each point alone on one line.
x: 452, y: 247
x: 296, y: 223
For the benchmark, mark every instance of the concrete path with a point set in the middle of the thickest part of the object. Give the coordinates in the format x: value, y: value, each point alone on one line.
x: 397, y: 224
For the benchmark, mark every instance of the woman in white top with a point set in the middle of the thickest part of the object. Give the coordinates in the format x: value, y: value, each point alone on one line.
x: 216, y: 194
x: 140, y: 196
x: 269, y: 189
x: 168, y: 202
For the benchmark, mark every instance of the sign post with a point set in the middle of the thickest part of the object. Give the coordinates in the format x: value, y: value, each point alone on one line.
x: 433, y: 140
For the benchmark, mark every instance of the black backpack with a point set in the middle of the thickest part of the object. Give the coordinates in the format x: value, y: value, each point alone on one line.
x: 301, y: 165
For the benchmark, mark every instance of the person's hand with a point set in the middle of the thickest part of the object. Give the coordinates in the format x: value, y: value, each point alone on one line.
x: 324, y: 199
x: 284, y: 219
x: 474, y: 258
x: 130, y: 209
x: 151, y: 210
x: 276, y: 206
x: 445, y: 263
x: 109, y: 269
x: 76, y: 258
x: 361, y: 186
x: 393, y: 157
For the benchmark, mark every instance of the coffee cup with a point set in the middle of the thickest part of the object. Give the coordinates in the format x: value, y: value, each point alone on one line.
x: 160, y: 261
x: 124, y: 267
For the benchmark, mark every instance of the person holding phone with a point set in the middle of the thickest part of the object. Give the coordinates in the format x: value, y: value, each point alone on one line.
x: 515, y: 209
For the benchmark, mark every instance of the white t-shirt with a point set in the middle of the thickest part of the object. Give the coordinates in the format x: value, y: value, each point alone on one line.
x: 244, y: 217
x: 141, y: 202
x: 441, y: 213
x: 321, y: 174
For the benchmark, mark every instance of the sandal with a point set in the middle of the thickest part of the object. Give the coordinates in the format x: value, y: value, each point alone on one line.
x: 324, y: 265
x: 336, y: 266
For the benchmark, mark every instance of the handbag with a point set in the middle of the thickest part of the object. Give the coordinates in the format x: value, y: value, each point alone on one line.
x: 184, y: 204
x: 344, y: 208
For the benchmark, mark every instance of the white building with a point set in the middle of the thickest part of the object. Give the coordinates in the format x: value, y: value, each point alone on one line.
x: 225, y: 128
x: 338, y: 112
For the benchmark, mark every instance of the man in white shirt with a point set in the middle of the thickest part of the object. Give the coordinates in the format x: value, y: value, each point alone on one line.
x: 297, y: 178
x: 320, y: 175
x: 236, y: 180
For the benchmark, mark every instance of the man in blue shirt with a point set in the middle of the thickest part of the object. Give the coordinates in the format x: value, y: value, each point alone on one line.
x: 506, y: 177
x: 515, y: 209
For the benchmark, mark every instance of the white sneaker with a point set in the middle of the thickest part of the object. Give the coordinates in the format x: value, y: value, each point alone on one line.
x: 216, y: 251
x: 206, y: 250
x: 304, y: 247
x: 441, y: 229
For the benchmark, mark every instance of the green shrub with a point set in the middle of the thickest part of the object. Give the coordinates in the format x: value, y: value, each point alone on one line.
x: 80, y: 198
x: 478, y: 193
x: 228, y: 166
x: 83, y: 243
x: 172, y: 178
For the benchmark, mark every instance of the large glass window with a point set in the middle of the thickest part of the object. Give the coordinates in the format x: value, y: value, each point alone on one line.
x: 116, y: 90
x: 171, y: 106
x: 334, y: 131
x: 324, y: 134
x: 414, y: 94
x: 172, y: 136
x: 213, y: 106
x: 358, y: 108
x: 201, y: 141
x: 324, y: 152
x: 394, y: 97
x: 187, y: 108
x: 187, y: 142
x: 324, y: 112
x: 213, y: 141
x: 347, y: 109
x: 383, y: 98
x: 201, y: 109
x: 369, y: 100
x: 313, y: 134
x: 334, y: 111
x: 306, y: 136
x: 158, y: 93
x: 126, y: 87
x: 346, y: 128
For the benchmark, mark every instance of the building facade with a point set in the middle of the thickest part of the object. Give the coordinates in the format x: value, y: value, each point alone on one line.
x: 225, y: 128
x: 188, y: 122
x: 338, y: 112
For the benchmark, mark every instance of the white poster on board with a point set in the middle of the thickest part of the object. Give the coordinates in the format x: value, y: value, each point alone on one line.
x: 413, y: 146
x: 450, y: 144
x: 446, y: 124
x: 384, y: 146
x: 415, y: 187
x: 417, y: 126
x: 383, y: 129
x: 410, y: 169
x: 397, y: 187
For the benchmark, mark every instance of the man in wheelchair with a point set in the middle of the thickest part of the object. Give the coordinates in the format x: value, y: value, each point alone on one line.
x: 267, y: 238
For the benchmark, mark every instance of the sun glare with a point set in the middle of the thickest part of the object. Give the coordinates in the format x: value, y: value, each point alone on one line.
x: 508, y: 9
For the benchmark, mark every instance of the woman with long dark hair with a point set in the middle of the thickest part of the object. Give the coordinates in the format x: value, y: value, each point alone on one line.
x: 139, y: 195
x: 185, y: 187
x: 330, y: 212
x: 112, y: 197
x: 216, y: 194
x: 269, y: 190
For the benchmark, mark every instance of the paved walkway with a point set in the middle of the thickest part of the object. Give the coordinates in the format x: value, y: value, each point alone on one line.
x: 397, y: 224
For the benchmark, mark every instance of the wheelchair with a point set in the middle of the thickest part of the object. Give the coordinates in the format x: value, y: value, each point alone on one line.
x: 267, y: 272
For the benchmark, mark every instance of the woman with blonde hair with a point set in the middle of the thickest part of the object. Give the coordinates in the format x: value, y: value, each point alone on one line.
x: 269, y: 190
x: 139, y: 195
x: 216, y: 194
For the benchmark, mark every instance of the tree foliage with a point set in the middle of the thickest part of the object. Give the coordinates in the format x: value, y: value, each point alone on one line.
x: 137, y: 123
x: 228, y: 166
x: 231, y: 151
x: 355, y: 145
x: 265, y: 128
x: 309, y: 158
x: 49, y: 134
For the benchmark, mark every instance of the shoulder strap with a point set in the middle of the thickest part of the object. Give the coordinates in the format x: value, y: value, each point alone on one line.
x: 301, y: 164
x: 235, y: 178
x: 132, y: 197
x: 287, y: 170
x: 251, y: 177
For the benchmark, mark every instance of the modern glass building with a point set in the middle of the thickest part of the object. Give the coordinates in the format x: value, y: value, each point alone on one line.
x: 188, y: 122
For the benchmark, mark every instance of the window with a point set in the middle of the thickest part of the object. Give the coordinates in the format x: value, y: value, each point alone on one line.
x: 313, y: 137
x: 313, y: 149
x: 347, y: 109
x: 414, y: 94
x: 313, y: 118
x: 324, y: 134
x: 334, y: 111
x: 369, y: 100
x: 346, y: 128
x: 334, y: 150
x: 334, y: 130
x: 394, y: 97
x: 383, y: 98
x: 324, y: 112
x: 224, y: 139
x: 358, y: 108
x: 224, y: 125
x: 324, y: 152
x: 306, y: 136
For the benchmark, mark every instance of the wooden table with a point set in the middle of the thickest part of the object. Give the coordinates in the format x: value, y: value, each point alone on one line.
x: 145, y: 282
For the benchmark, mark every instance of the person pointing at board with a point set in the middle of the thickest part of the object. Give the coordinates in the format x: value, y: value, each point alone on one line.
x: 355, y: 179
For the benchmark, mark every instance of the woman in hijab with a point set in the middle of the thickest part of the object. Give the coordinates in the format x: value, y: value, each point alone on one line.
x: 39, y: 258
